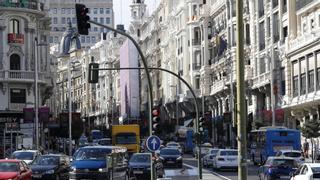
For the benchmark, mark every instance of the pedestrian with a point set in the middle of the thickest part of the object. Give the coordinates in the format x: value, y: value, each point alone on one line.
x: 305, y: 148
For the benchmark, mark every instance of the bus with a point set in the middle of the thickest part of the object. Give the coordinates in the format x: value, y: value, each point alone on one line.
x: 127, y: 136
x: 267, y: 141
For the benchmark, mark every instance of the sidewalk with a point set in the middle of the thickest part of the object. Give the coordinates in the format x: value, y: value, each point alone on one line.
x: 189, y: 174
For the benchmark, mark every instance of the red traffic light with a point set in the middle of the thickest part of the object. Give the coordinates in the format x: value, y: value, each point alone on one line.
x: 155, y: 112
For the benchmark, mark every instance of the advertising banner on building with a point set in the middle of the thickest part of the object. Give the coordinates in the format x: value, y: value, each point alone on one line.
x: 28, y: 115
x: 44, y: 114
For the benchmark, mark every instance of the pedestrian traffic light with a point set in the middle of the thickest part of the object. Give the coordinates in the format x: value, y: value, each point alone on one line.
x: 201, y: 121
x: 93, y: 73
x: 82, y: 19
x: 155, y: 121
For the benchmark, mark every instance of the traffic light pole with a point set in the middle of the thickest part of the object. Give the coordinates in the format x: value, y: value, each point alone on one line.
x: 193, y: 95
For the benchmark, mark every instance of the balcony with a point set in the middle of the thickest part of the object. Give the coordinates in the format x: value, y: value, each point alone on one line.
x: 218, y: 86
x: 261, y: 80
x: 30, y: 4
x: 17, y: 106
x: 15, y: 38
x: 196, y: 42
x: 22, y: 76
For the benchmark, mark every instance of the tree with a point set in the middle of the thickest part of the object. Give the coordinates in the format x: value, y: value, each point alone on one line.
x: 310, y: 130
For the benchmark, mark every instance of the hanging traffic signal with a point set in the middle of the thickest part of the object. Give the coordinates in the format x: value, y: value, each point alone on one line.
x: 93, y: 73
x: 201, y: 121
x: 82, y: 19
x: 155, y: 121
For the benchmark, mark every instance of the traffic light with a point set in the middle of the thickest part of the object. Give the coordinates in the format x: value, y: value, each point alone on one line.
x: 155, y: 121
x: 82, y: 19
x: 93, y: 73
x: 201, y: 121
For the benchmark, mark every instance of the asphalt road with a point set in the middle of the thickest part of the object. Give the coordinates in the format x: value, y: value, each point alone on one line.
x: 223, y: 174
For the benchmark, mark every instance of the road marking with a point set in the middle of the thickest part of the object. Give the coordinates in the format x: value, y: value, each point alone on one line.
x: 207, y: 171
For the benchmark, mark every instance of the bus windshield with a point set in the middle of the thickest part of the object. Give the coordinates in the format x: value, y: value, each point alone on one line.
x: 126, y: 138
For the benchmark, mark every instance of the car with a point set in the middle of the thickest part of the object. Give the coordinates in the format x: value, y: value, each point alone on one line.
x: 297, y: 155
x: 208, y: 158
x: 174, y: 145
x: 104, y: 142
x: 204, y: 149
x: 307, y: 171
x: 139, y: 166
x: 28, y: 156
x: 51, y: 166
x: 171, y: 157
x: 277, y: 168
x: 99, y: 163
x: 14, y: 169
x: 225, y: 159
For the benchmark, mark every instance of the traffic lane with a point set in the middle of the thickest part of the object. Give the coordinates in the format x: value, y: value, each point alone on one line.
x: 224, y: 174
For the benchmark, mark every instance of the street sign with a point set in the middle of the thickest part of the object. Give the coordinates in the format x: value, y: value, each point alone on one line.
x: 153, y: 143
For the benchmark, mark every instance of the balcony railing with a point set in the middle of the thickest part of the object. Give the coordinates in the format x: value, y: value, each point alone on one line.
x: 261, y: 80
x: 16, y: 38
x: 218, y: 86
x: 20, y: 75
x: 30, y: 4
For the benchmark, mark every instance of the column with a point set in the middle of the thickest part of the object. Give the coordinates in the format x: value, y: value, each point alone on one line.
x: 292, y: 17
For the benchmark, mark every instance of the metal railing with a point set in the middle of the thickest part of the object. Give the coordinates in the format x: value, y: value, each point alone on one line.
x: 30, y: 4
x: 20, y: 75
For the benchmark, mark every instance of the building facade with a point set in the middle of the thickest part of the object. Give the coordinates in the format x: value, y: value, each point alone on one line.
x: 63, y: 11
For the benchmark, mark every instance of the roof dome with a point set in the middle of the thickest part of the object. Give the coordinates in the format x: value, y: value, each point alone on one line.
x: 69, y: 36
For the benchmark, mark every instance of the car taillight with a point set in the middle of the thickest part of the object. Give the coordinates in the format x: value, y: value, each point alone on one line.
x: 220, y: 159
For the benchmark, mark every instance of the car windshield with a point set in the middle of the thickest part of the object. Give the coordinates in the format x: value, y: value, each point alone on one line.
x: 126, y: 138
x: 228, y: 153
x: 169, y: 152
x: 214, y: 151
x: 8, y: 167
x: 140, y: 158
x: 92, y: 154
x: 315, y: 170
x: 292, y: 154
x: 47, y: 160
x: 23, y: 155
x: 284, y: 162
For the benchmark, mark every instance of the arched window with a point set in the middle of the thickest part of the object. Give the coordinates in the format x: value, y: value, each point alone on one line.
x: 14, y: 62
x: 14, y: 26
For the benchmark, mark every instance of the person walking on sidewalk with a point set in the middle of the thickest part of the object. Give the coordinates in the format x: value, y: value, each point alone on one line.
x: 305, y: 148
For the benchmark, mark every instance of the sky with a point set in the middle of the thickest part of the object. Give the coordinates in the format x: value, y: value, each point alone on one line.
x: 122, y: 10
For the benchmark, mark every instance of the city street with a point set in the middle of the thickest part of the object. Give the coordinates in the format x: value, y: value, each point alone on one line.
x: 224, y: 174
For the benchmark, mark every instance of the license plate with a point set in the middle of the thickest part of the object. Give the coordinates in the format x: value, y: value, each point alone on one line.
x: 285, y: 177
x: 37, y: 175
x: 138, y: 172
x: 231, y: 159
x: 171, y: 162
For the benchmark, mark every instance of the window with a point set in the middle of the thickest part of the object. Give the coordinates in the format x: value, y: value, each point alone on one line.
x: 74, y: 20
x: 95, y: 19
x: 56, y: 39
x: 14, y: 26
x: 295, y: 79
x: 107, y: 10
x: 54, y: 10
x: 95, y: 29
x: 101, y: 10
x: 83, y: 39
x: 261, y: 36
x: 274, y: 3
x: 311, y: 81
x: 260, y: 8
x: 101, y: 29
x: 18, y: 96
x: 93, y: 39
x: 95, y: 11
x: 72, y: 10
x: 318, y: 69
x: 51, y: 39
x: 284, y: 6
x: 303, y: 83
x: 14, y: 62
x: 101, y: 20
x: 55, y: 20
x: 68, y: 20
x: 247, y: 34
x: 88, y: 39
x: 62, y: 11
x: 68, y: 11
x: 275, y: 27
x: 262, y: 65
x: 63, y: 20
x: 107, y: 20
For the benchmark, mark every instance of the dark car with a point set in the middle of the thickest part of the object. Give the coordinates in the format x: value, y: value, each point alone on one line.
x: 139, y: 166
x: 277, y: 168
x: 171, y: 157
x: 51, y: 166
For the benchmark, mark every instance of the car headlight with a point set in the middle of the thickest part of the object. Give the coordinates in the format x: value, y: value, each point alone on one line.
x: 49, y: 172
x: 102, y: 169
x: 179, y: 158
x: 73, y: 169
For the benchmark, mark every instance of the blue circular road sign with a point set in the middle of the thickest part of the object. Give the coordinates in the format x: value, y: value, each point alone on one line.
x: 153, y: 143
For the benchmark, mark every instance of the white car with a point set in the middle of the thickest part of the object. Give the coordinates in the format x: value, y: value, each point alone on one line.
x: 208, y: 158
x: 296, y: 155
x: 307, y: 171
x: 226, y: 159
x: 28, y: 156
x: 174, y: 145
x: 204, y: 149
